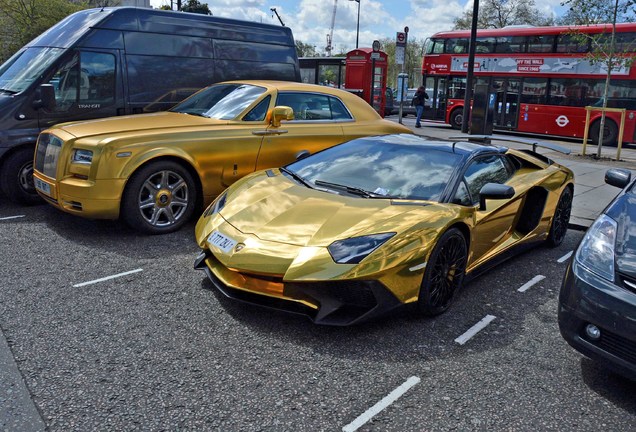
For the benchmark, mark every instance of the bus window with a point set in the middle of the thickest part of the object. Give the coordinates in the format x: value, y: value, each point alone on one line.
x: 436, y: 46
x: 456, y: 46
x: 622, y: 94
x: 534, y: 91
x: 510, y: 44
x: 568, y: 92
x: 503, y: 44
x: 485, y: 45
x: 518, y: 44
x: 456, y: 88
x: 568, y: 43
x: 540, y: 44
x: 625, y: 42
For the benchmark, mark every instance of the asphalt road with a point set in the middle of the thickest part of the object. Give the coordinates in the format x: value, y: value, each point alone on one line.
x: 160, y: 349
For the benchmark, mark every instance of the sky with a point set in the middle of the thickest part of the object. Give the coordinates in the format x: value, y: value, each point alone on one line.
x: 310, y: 20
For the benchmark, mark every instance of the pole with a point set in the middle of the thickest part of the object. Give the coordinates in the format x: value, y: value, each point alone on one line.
x: 468, y: 95
x: 358, y: 25
x: 406, y: 39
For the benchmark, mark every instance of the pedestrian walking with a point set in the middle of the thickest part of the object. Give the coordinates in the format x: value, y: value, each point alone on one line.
x: 418, y: 103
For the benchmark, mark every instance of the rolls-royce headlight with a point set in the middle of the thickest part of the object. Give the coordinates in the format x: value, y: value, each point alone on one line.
x: 355, y: 249
x: 82, y: 156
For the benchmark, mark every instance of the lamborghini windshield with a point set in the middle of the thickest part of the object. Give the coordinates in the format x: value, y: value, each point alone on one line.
x: 221, y: 101
x: 401, y: 169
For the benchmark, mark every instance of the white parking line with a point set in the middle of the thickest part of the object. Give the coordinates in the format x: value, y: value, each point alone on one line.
x: 475, y: 329
x: 107, y: 278
x: 531, y: 282
x: 565, y: 257
x: 12, y: 217
x: 385, y: 402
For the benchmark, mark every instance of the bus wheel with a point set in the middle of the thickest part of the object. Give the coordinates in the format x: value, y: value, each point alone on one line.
x: 16, y: 178
x: 610, y: 132
x: 457, y: 118
x: 159, y: 198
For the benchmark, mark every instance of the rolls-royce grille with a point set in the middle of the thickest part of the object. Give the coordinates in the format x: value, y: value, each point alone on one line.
x: 47, y: 154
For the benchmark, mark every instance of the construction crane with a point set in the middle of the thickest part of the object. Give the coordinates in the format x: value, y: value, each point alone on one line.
x: 277, y: 16
x: 329, y: 46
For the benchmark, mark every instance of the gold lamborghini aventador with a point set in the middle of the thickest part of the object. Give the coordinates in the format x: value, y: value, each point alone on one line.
x: 153, y: 169
x: 363, y: 227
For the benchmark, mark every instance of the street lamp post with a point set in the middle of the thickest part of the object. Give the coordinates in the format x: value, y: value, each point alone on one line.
x: 358, y: 24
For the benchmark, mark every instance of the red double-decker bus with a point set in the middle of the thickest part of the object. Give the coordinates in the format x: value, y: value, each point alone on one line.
x: 541, y: 76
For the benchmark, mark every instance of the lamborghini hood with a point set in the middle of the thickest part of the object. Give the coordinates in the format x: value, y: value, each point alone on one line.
x: 137, y: 124
x: 279, y: 210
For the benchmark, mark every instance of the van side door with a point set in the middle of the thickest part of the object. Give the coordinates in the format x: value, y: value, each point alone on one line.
x: 87, y: 85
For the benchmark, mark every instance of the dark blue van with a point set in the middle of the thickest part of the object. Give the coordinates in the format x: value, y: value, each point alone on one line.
x: 116, y: 61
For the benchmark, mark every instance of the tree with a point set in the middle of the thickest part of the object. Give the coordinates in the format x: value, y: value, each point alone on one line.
x: 103, y: 3
x: 412, y: 61
x: 23, y: 20
x: 604, y: 50
x: 586, y: 12
x: 502, y: 13
x: 305, y: 49
x: 195, y: 6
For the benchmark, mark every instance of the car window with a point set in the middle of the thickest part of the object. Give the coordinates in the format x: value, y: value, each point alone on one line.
x: 259, y: 112
x: 220, y: 101
x: 313, y: 106
x: 489, y: 169
x: 462, y: 197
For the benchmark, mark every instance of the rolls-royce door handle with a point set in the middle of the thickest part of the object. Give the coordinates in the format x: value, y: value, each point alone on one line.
x: 269, y: 132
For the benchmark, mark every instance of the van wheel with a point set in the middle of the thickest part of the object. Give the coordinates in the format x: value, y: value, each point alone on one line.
x: 160, y: 198
x: 457, y: 118
x: 16, y: 179
x: 610, y: 132
x: 444, y: 273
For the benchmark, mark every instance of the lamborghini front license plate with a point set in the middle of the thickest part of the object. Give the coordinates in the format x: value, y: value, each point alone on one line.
x: 221, y: 241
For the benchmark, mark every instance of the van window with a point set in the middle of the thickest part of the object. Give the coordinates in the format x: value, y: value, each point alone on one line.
x: 86, y: 81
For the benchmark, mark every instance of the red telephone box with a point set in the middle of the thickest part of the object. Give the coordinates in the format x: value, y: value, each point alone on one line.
x: 365, y: 76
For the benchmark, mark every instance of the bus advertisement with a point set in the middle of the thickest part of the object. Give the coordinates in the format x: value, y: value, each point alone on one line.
x: 542, y: 76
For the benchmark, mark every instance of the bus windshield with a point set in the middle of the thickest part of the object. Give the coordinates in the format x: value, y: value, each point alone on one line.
x: 25, y: 67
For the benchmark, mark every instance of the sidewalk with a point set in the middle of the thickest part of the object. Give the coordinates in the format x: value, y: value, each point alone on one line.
x: 591, y: 193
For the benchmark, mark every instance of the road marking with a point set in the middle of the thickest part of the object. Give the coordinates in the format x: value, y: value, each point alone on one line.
x: 475, y: 329
x: 107, y: 278
x: 385, y: 402
x: 12, y: 217
x: 565, y: 257
x: 531, y: 282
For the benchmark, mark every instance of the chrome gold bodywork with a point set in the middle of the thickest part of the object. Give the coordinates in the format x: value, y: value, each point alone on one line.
x: 283, y: 229
x: 215, y: 152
